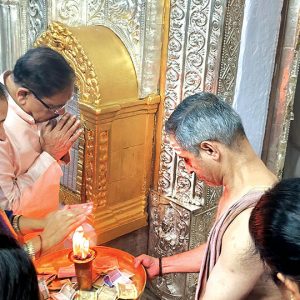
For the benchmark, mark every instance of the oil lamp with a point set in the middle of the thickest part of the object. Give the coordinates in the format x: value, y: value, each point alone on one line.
x: 82, y: 257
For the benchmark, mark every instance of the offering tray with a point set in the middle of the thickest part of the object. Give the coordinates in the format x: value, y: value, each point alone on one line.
x: 60, y: 258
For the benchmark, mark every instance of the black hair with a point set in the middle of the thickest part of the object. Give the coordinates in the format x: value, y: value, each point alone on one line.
x: 275, y: 227
x: 43, y: 71
x: 18, y: 279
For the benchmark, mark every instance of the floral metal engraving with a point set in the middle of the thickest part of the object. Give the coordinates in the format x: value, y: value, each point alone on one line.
x: 215, y: 46
x: 196, y: 62
x: 37, y: 19
x: 21, y: 23
x: 230, y: 49
x: 175, y: 228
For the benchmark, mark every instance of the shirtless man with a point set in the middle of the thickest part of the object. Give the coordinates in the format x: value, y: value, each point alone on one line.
x: 209, y: 136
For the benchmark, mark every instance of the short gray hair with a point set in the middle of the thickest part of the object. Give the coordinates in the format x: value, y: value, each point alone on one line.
x: 203, y: 117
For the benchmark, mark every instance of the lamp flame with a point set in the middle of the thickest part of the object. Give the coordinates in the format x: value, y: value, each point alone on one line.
x: 80, y: 244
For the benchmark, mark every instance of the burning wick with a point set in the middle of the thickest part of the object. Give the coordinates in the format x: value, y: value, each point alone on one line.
x: 80, y: 245
x: 82, y: 257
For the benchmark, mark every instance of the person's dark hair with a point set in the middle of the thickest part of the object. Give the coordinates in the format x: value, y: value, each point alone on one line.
x: 18, y: 279
x: 44, y: 71
x: 201, y: 117
x: 275, y: 228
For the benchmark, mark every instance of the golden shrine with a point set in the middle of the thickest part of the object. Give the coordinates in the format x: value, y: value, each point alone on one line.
x: 115, y: 153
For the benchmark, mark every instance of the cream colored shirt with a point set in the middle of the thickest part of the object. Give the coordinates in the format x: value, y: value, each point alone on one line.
x: 29, y: 177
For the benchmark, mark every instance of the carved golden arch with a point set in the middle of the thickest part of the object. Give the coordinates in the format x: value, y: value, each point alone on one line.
x: 114, y: 166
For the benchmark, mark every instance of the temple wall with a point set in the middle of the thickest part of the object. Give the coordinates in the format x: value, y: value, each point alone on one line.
x: 229, y: 47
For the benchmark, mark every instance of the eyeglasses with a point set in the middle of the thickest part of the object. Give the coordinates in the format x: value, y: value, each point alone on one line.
x: 56, y: 110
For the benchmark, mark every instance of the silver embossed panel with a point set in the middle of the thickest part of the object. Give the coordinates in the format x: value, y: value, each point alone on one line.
x: 203, y: 53
x: 174, y: 228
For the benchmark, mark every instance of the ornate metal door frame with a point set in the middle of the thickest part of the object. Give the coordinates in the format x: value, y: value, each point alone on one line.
x: 283, y: 89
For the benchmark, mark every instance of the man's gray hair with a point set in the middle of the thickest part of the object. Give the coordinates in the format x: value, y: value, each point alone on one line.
x: 203, y: 117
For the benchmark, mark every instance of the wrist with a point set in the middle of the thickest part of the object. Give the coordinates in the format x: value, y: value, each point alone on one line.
x: 44, y: 243
x: 28, y: 225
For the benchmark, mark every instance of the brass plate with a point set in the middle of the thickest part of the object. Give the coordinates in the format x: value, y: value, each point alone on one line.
x: 126, y: 261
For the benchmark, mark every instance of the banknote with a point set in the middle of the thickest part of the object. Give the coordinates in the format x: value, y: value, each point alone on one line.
x: 107, y: 293
x: 127, y: 291
x: 44, y: 292
x: 57, y: 284
x: 114, y: 275
x: 104, y: 264
x: 107, y: 281
x: 67, y: 292
x: 127, y: 273
x: 48, y: 278
x: 86, y: 295
x: 99, y: 282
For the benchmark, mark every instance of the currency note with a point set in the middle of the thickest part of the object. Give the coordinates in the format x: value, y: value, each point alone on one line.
x: 127, y: 273
x: 86, y: 295
x: 104, y: 264
x: 57, y: 284
x: 43, y: 289
x: 67, y: 292
x: 127, y: 291
x: 99, y: 282
x: 47, y: 277
x: 107, y: 293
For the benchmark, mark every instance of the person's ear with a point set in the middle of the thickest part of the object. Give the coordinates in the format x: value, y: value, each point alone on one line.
x: 211, y: 149
x: 21, y: 95
x: 291, y: 285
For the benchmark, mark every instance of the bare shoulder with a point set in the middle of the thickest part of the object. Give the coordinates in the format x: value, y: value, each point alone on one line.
x: 238, y: 270
x: 237, y: 240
